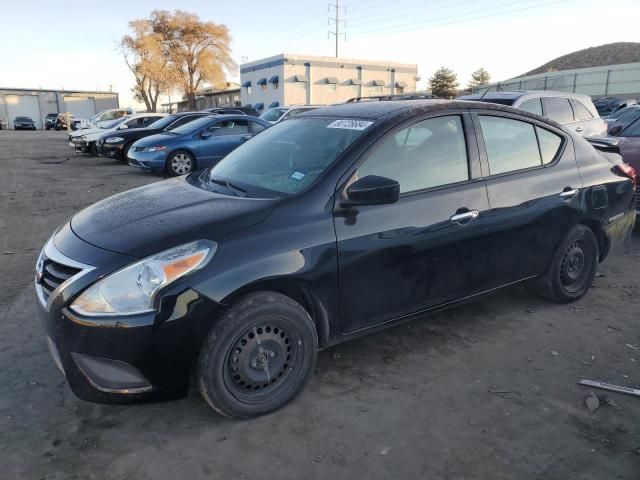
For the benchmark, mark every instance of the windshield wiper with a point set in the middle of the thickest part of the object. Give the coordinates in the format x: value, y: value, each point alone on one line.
x: 238, y: 191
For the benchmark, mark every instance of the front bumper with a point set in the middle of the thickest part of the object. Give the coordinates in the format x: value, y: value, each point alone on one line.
x: 80, y: 146
x: 110, y: 150
x: 148, y: 161
x: 127, y: 358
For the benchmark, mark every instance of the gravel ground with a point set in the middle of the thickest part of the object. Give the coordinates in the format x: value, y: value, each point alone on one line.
x: 486, y: 390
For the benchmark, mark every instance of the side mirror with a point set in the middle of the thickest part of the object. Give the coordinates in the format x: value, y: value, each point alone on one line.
x: 614, y: 130
x: 124, y: 126
x: 372, y: 190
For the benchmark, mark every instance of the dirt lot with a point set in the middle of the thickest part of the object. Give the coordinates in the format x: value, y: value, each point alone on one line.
x: 487, y: 390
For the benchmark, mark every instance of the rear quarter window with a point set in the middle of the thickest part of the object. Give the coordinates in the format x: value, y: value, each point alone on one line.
x: 582, y: 112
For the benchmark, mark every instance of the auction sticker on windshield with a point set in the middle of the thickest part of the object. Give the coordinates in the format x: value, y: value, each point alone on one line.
x: 350, y: 124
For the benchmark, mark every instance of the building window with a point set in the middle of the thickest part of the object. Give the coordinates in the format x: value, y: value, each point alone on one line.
x: 399, y: 89
x: 275, y: 86
x: 376, y: 90
x: 249, y: 90
x: 331, y: 87
x: 264, y: 87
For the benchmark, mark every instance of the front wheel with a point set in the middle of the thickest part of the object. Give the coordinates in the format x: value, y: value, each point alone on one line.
x: 258, y: 356
x: 180, y: 162
x: 572, y: 268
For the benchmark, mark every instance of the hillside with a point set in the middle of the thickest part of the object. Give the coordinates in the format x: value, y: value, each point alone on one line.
x: 609, y: 54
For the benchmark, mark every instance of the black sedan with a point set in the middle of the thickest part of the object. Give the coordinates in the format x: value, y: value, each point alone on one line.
x: 324, y: 227
x: 24, y: 123
x: 116, y: 144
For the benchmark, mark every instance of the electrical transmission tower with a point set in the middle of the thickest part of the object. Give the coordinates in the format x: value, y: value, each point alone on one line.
x: 337, y: 21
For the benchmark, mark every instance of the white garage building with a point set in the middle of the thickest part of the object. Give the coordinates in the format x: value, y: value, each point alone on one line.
x: 16, y: 102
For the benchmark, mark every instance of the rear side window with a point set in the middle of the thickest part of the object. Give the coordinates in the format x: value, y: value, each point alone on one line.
x: 182, y: 121
x: 558, y: 109
x: 582, y: 112
x: 533, y: 105
x: 513, y: 144
x: 230, y: 127
x: 426, y: 154
x: 632, y: 130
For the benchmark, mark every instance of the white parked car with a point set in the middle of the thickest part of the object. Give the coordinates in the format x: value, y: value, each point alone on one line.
x: 84, y: 141
x: 103, y: 117
x: 277, y: 114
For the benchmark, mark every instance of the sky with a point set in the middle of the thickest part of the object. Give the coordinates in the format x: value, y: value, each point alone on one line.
x: 73, y: 44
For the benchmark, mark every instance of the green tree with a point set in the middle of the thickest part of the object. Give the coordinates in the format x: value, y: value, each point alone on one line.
x: 478, y: 78
x: 444, y: 83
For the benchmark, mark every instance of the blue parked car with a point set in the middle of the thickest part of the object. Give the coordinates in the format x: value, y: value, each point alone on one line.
x: 195, y: 145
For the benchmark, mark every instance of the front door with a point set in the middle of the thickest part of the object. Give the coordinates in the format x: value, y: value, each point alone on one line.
x: 426, y: 249
x: 226, y: 135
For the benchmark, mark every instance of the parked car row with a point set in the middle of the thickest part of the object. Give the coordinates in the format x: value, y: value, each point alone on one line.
x: 321, y: 228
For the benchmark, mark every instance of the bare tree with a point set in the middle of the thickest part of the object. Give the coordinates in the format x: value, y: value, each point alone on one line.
x: 197, y: 52
x: 143, y: 54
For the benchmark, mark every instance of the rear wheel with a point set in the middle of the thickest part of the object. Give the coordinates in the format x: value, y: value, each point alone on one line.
x: 93, y: 149
x: 572, y: 268
x: 180, y: 162
x: 125, y: 152
x: 258, y: 356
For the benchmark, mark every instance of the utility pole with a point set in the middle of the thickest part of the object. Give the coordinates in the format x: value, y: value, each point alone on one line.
x: 337, y: 21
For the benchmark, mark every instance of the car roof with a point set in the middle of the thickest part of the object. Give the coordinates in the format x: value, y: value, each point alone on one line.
x: 516, y: 94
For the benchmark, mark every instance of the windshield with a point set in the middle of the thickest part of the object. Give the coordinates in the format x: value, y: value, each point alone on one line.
x: 273, y: 114
x: 288, y: 157
x: 23, y: 119
x: 114, y: 123
x: 192, y: 126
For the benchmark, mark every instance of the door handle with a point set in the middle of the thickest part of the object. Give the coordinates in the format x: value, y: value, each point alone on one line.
x: 465, y: 217
x: 579, y: 129
x: 568, y: 192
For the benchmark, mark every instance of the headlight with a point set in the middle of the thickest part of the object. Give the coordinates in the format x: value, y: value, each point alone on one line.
x: 114, y: 140
x: 132, y: 289
x: 83, y: 138
x: 155, y: 148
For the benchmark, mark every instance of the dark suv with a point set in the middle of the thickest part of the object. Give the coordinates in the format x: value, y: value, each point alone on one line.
x: 322, y: 228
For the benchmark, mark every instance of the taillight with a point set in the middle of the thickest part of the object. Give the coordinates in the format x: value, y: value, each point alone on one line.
x: 628, y: 171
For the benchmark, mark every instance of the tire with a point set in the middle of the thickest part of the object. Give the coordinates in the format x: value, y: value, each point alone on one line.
x: 93, y: 149
x: 258, y: 356
x: 572, y: 268
x: 125, y: 152
x: 180, y: 162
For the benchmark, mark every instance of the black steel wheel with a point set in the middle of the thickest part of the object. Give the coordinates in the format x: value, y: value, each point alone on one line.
x: 258, y: 356
x: 572, y: 268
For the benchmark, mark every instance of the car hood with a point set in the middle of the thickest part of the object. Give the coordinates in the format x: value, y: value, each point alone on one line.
x: 157, y: 139
x: 155, y: 217
x: 87, y: 131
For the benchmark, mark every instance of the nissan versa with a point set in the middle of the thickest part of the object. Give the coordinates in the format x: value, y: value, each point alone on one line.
x: 322, y: 228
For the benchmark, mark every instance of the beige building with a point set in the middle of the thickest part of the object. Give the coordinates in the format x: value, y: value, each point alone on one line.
x: 290, y: 79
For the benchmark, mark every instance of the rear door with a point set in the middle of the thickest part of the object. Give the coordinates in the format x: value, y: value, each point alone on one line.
x: 534, y: 188
x: 429, y: 247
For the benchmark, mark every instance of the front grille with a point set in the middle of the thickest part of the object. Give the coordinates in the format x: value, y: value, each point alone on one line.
x: 53, y: 275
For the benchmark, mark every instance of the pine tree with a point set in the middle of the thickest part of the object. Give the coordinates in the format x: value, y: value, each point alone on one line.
x: 479, y: 77
x: 444, y: 83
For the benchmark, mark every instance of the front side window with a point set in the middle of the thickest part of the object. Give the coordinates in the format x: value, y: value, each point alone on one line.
x: 513, y: 144
x: 533, y: 105
x: 558, y: 109
x: 180, y: 125
x: 288, y: 157
x: 256, y: 127
x: 426, y: 154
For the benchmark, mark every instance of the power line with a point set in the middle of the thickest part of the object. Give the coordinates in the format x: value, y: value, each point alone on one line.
x: 337, y: 21
x: 428, y: 23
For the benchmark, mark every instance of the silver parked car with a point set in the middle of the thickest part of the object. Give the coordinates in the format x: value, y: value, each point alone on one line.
x: 573, y: 110
x: 277, y: 114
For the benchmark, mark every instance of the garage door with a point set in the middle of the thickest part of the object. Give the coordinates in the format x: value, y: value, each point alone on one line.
x: 81, y: 107
x: 23, y: 106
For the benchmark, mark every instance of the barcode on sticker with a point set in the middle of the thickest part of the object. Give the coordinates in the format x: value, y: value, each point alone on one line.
x: 350, y: 124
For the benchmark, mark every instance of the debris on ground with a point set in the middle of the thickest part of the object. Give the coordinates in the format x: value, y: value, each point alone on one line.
x: 592, y: 402
x: 631, y: 346
x: 9, y: 252
x: 609, y: 386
